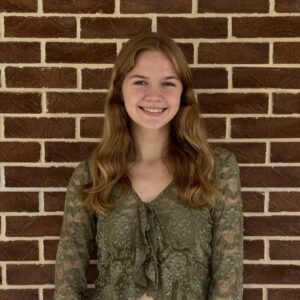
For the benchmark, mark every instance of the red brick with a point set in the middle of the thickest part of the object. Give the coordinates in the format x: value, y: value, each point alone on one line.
x: 37, y: 177
x: 233, y: 6
x: 93, y: 254
x: 233, y: 53
x: 279, y: 153
x: 235, y: 103
x: 91, y: 127
x: 282, y: 78
x: 209, y: 78
x: 272, y: 226
x: 50, y: 248
x: 270, y: 176
x: 39, y: 127
x: 284, y: 201
x: 280, y: 294
x: 23, y: 226
x: 250, y: 294
x: 246, y: 152
x: 266, y: 26
x: 20, y: 103
x: 285, y: 250
x: 95, y: 78
x: 78, y: 6
x: 253, y: 250
x: 19, y: 152
x: 253, y: 201
x: 41, y: 77
x: 18, y: 6
x: 30, y: 274
x: 40, y: 27
x: 292, y: 6
x: 68, y: 152
x: 188, y: 51
x: 16, y: 52
x: 81, y: 53
x: 17, y: 294
x: 48, y: 294
x: 265, y: 127
x: 19, y: 250
x: 92, y: 274
x: 154, y: 6
x: 271, y: 274
x: 81, y: 103
x: 19, y: 202
x: 286, y: 53
x: 215, y: 127
x: 54, y: 201
x: 113, y: 27
x: 180, y: 27
x: 286, y: 103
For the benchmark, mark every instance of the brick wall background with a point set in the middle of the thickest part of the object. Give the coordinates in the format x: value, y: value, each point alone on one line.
x: 55, y: 61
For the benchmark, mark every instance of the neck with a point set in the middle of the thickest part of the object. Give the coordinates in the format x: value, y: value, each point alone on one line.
x: 150, y: 143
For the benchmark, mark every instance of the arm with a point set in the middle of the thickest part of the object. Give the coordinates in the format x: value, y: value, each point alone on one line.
x: 227, y: 242
x: 75, y: 243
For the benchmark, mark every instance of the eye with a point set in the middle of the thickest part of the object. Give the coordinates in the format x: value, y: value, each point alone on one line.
x: 168, y: 83
x: 140, y: 82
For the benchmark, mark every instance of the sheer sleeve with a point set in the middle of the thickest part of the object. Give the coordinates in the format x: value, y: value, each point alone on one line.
x: 76, y: 240
x: 227, y: 243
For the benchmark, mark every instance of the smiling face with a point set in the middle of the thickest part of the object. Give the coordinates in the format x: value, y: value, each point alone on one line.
x: 152, y: 91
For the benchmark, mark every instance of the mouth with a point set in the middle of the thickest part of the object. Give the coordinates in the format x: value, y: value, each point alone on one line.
x: 153, y: 110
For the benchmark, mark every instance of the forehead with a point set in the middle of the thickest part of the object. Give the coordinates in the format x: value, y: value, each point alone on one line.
x: 150, y: 60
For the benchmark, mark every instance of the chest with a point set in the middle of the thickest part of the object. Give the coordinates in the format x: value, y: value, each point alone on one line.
x: 149, y: 180
x: 174, y: 225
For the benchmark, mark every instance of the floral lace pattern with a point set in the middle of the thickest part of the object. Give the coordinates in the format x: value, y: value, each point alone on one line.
x: 163, y: 248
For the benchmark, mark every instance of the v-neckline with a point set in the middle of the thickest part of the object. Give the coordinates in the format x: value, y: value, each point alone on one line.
x: 157, y: 197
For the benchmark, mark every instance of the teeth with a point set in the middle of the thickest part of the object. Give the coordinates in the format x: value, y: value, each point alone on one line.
x: 153, y: 109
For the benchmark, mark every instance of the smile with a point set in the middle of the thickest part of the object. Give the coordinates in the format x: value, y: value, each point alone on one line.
x: 153, y: 109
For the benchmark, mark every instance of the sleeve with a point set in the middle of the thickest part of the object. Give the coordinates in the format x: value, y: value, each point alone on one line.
x: 227, y: 240
x: 76, y: 241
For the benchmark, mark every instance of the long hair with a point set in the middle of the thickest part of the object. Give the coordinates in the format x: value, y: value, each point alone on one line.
x: 188, y: 156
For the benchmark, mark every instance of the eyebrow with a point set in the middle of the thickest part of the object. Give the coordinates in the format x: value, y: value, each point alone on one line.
x: 145, y: 77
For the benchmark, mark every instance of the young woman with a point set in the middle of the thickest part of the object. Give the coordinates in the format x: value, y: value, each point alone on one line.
x: 163, y: 205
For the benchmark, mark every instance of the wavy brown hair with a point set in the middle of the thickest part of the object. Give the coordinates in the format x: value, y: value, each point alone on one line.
x: 188, y: 156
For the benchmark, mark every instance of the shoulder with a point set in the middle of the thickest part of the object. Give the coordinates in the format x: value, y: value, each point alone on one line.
x: 222, y: 154
x: 225, y: 163
x: 223, y: 157
x: 81, y: 174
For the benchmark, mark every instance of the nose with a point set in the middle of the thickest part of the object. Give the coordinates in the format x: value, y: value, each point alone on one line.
x: 153, y: 94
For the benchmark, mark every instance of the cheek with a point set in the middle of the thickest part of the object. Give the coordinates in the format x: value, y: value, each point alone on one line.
x: 135, y: 93
x: 173, y: 94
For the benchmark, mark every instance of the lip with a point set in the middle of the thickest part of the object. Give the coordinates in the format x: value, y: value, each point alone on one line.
x: 151, y: 107
x: 152, y: 114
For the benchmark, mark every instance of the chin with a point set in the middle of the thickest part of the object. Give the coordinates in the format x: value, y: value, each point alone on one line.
x: 155, y: 126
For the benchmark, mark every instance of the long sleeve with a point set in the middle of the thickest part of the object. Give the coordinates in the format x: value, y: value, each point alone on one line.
x: 76, y: 240
x: 227, y: 243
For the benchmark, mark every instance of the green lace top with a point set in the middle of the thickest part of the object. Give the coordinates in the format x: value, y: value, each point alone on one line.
x: 163, y: 248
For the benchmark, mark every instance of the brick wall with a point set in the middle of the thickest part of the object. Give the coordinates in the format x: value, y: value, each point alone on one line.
x: 55, y: 61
